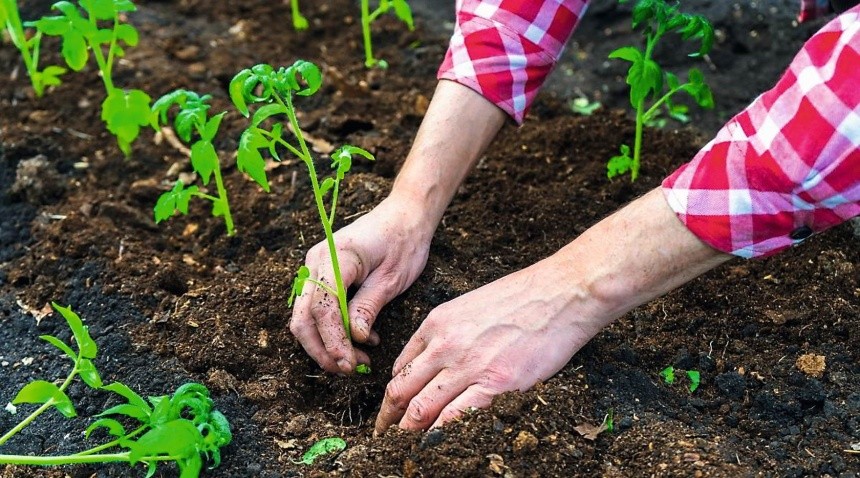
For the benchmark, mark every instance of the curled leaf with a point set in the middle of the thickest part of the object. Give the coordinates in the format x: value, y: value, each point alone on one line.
x: 321, y: 448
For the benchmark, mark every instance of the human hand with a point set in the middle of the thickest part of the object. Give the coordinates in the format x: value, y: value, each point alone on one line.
x: 383, y: 252
x: 505, y: 336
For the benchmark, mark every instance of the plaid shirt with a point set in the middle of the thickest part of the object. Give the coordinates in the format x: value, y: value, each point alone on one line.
x: 764, y: 183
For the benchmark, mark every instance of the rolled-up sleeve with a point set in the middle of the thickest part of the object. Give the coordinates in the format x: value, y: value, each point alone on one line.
x: 789, y: 165
x: 504, y: 49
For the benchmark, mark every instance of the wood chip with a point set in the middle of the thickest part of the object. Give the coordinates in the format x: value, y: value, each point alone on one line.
x: 589, y: 431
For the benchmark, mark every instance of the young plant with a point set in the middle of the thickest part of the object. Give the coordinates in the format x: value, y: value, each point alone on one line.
x: 275, y: 89
x: 10, y: 19
x: 668, y: 375
x: 401, y: 10
x: 192, y: 121
x: 299, y: 21
x: 182, y: 428
x: 648, y: 80
x: 100, y: 30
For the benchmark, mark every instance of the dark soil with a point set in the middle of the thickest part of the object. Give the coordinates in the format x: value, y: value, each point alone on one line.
x: 182, y: 301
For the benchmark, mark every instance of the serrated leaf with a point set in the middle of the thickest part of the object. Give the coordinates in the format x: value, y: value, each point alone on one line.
x: 302, y: 276
x: 644, y: 77
x: 695, y: 379
x: 40, y: 392
x: 177, y: 438
x: 60, y: 345
x: 237, y: 88
x: 124, y: 391
x: 267, y: 111
x: 668, y: 375
x: 204, y: 160
x: 323, y: 447
x: 114, y: 427
x: 176, y: 199
x: 124, y: 113
x: 250, y: 161
x: 211, y: 129
x: 619, y: 164
x: 309, y: 73
x: 128, y: 410
x: 86, y: 344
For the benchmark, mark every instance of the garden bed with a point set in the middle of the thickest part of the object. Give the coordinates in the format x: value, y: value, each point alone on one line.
x: 182, y: 301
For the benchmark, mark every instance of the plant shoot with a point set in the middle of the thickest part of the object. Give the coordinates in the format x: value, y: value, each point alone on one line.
x: 401, y: 10
x: 10, y: 19
x: 275, y: 91
x: 648, y: 81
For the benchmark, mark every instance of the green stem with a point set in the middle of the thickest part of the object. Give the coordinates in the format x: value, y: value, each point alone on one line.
x: 44, y: 407
x: 222, y: 192
x: 111, y: 444
x: 323, y: 285
x: 206, y: 196
x: 665, y: 98
x: 104, y: 68
x: 366, y: 19
x: 19, y: 39
x: 77, y: 459
x: 326, y: 221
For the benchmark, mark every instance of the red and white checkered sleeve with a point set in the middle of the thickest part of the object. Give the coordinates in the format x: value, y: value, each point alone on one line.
x: 504, y: 49
x: 787, y: 166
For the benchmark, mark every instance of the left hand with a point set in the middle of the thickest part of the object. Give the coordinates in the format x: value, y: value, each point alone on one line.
x: 505, y: 336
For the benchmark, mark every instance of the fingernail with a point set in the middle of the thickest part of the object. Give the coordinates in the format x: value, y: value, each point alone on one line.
x: 344, y: 365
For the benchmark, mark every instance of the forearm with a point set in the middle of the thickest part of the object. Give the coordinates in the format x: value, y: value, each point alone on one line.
x: 637, y: 254
x: 458, y: 127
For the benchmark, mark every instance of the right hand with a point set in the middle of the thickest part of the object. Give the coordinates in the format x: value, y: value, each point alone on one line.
x: 382, y: 252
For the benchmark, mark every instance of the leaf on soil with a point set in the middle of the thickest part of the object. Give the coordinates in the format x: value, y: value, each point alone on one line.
x: 323, y: 447
x: 589, y: 431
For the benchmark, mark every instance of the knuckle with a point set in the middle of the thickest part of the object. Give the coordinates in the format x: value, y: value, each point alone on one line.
x: 417, y: 411
x: 394, y: 394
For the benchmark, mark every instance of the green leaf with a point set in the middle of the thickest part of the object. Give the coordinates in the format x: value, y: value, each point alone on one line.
x: 697, y: 88
x: 114, y: 427
x: 211, y: 129
x: 129, y: 394
x: 103, y: 36
x: 124, y: 6
x: 178, y: 438
x: 127, y: 410
x: 204, y: 160
x: 363, y: 369
x: 219, y: 208
x: 99, y: 9
x: 302, y: 276
x: 125, y: 113
x: 341, y: 159
x: 60, y: 345
x: 326, y: 186
x: 40, y: 392
x: 323, y: 447
x: 404, y: 13
x: 695, y: 379
x: 309, y: 73
x: 237, y: 91
x: 629, y: 53
x: 53, y: 26
x: 584, y: 107
x: 620, y: 164
x: 668, y: 374
x: 89, y: 373
x: 644, y: 77
x: 75, y: 50
x: 266, y: 112
x: 86, y: 344
x: 50, y: 76
x: 163, y: 104
x: 176, y: 199
x: 248, y: 158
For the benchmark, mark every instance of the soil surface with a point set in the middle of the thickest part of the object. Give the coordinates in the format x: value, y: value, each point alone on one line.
x: 181, y: 301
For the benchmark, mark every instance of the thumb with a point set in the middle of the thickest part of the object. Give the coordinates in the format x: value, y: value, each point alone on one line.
x: 365, y: 306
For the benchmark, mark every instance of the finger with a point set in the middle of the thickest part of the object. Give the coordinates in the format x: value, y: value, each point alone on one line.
x: 375, y: 292
x: 426, y: 406
x: 304, y: 328
x: 413, y: 377
x: 476, y: 396
x: 417, y: 344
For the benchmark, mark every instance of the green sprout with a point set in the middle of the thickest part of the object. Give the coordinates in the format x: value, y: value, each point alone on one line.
x: 182, y: 428
x: 192, y: 121
x: 695, y: 379
x: 582, y: 106
x: 668, y: 375
x: 274, y: 89
x: 648, y: 80
x: 299, y: 21
x: 321, y: 448
x: 401, y: 10
x: 10, y: 20
x: 124, y: 112
x: 609, y: 420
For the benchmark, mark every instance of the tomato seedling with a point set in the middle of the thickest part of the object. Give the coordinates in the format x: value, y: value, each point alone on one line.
x: 648, y: 80
x: 274, y: 90
x: 101, y: 30
x: 182, y: 428
x: 192, y: 120
x: 10, y: 19
x: 401, y: 10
